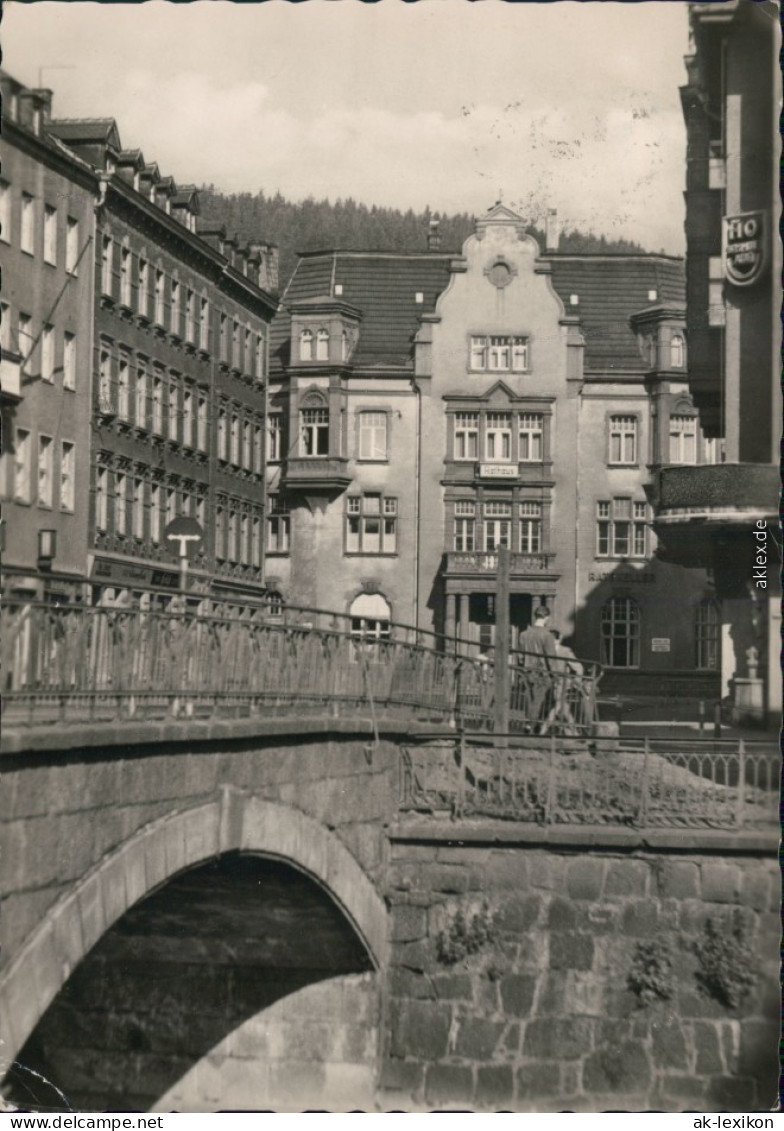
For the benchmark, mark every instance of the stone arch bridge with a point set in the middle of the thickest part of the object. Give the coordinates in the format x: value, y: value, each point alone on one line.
x: 258, y: 865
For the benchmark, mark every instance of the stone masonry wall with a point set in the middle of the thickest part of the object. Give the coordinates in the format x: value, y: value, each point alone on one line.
x: 524, y: 1002
x: 61, y: 814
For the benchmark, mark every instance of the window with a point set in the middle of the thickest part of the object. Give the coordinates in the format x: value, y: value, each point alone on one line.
x: 531, y: 437
x: 235, y: 344
x: 69, y: 361
x: 50, y: 234
x: 256, y: 544
x: 683, y: 439
x: 712, y: 450
x: 120, y: 503
x: 105, y: 399
x: 371, y: 524
x: 101, y: 498
x: 125, y: 276
x: 245, y: 539
x: 498, y: 436
x: 71, y: 244
x: 232, y: 536
x: 185, y: 504
x: 67, y: 471
x: 28, y: 224
x: 156, y: 514
x: 497, y: 525
x: 22, y: 457
x: 174, y: 410
x: 5, y: 212
x: 466, y: 435
x: 138, y: 508
x: 144, y: 285
x: 499, y: 354
x: 314, y: 434
x: 157, y: 405
x: 222, y: 433
x: 247, y: 446
x: 224, y: 337
x: 141, y: 395
x: 258, y: 448
x: 306, y: 346
x: 176, y: 307
x: 677, y: 352
x: 344, y: 346
x: 106, y: 265
x: 707, y: 635
x: 465, y: 526
x: 47, y: 354
x: 25, y: 336
x: 234, y: 454
x: 187, y: 417
x: 247, y: 355
x: 202, y: 424
x: 370, y: 617
x: 123, y: 387
x: 621, y: 633
x: 220, y: 533
x: 530, y: 528
x: 274, y: 437
x: 204, y: 325
x: 621, y: 529
x: 373, y: 435
x: 201, y: 511
x: 322, y: 345
x: 171, y: 504
x: 623, y: 439
x: 160, y: 283
x: 5, y: 328
x: 191, y: 308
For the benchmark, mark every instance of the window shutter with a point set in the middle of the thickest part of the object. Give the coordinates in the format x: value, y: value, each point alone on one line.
x: 134, y: 268
x: 116, y: 254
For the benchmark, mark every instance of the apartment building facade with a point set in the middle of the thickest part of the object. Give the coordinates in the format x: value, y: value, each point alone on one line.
x: 726, y: 518
x: 427, y: 409
x: 47, y: 224
x: 179, y: 383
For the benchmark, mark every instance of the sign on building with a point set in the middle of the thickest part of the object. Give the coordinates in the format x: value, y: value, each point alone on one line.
x: 744, y: 247
x: 660, y: 643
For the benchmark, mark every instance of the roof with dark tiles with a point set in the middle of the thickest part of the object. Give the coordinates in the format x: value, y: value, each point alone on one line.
x: 610, y: 289
x: 383, y: 286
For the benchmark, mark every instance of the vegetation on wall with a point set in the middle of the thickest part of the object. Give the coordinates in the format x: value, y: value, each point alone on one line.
x: 313, y: 225
x: 464, y: 936
x: 725, y: 963
x: 651, y: 973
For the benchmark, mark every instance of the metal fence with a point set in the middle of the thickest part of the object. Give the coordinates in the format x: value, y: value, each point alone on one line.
x: 725, y: 784
x: 82, y: 664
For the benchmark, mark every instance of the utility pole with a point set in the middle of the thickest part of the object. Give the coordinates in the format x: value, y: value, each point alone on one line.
x: 501, y: 650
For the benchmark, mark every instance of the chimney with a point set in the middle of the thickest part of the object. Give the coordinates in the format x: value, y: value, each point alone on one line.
x: 44, y: 96
x: 552, y: 231
x: 433, y: 238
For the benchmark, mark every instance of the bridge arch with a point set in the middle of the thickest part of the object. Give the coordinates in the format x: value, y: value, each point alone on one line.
x: 232, y: 822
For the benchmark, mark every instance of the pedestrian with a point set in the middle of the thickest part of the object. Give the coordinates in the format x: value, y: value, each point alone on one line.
x: 538, y: 656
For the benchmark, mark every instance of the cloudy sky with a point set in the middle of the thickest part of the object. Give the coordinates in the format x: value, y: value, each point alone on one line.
x: 572, y: 105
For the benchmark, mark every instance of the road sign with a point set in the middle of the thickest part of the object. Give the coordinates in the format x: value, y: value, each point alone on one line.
x: 184, y: 535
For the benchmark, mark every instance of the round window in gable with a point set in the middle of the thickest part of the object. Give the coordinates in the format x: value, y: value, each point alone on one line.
x: 500, y: 273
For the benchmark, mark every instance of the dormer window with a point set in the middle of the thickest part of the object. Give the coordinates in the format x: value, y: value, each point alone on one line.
x: 677, y: 352
x: 322, y: 345
x: 306, y: 345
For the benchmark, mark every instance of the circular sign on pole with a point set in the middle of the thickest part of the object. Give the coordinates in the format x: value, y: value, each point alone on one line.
x: 744, y: 247
x: 184, y: 535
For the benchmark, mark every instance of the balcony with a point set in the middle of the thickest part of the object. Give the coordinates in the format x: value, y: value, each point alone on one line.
x: 328, y: 474
x: 477, y: 563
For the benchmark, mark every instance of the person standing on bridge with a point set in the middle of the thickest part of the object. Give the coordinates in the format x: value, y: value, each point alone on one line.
x: 538, y: 658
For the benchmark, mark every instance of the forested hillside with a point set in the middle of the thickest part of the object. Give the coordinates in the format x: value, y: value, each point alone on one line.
x: 311, y: 225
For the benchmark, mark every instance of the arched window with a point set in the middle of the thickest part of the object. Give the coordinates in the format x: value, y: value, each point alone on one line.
x: 706, y: 631
x: 322, y: 345
x: 370, y: 615
x: 274, y: 602
x: 306, y: 345
x: 677, y: 352
x: 621, y: 633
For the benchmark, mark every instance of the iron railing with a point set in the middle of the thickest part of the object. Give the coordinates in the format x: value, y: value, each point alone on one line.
x: 83, y: 664
x: 645, y: 783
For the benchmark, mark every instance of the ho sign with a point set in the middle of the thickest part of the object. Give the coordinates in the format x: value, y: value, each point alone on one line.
x: 744, y: 247
x: 184, y: 535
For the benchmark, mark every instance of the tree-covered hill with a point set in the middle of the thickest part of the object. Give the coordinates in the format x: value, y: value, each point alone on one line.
x: 311, y: 225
